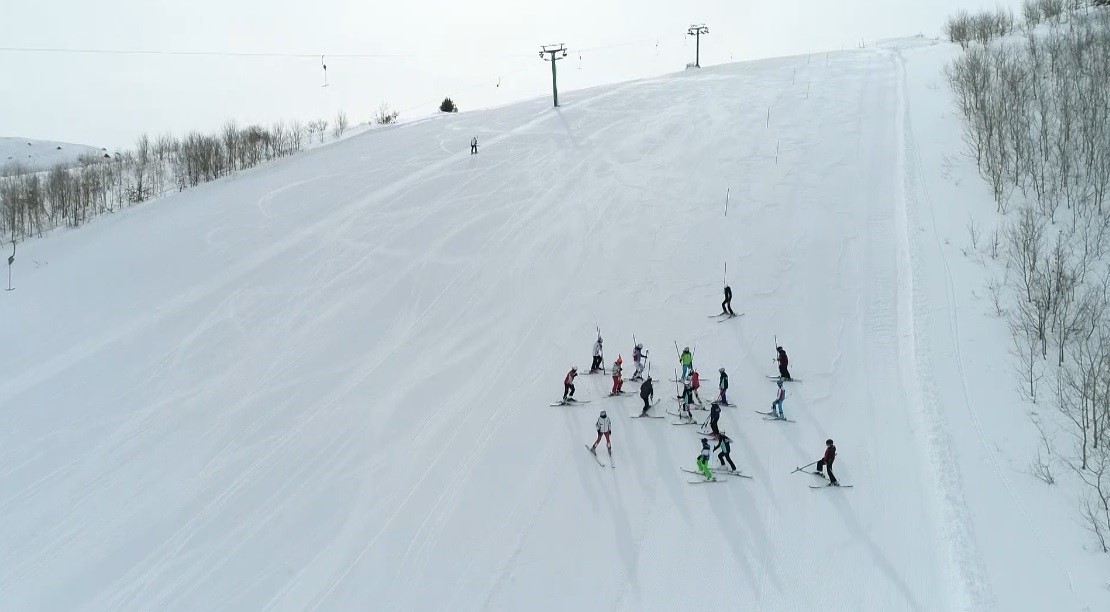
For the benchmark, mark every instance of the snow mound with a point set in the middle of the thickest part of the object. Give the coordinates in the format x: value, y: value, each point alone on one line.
x: 36, y: 155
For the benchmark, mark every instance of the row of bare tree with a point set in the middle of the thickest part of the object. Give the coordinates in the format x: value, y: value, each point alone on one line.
x: 1036, y: 115
x: 68, y: 194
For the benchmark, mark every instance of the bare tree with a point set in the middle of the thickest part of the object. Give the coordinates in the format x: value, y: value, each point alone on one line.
x: 340, y: 124
x: 384, y: 115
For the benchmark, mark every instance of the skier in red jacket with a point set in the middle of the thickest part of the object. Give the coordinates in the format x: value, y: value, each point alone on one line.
x: 568, y: 384
x: 695, y: 384
x: 827, y: 462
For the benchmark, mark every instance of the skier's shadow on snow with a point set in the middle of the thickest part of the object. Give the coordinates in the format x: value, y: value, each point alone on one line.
x: 609, y: 496
x: 727, y: 517
x: 848, y: 516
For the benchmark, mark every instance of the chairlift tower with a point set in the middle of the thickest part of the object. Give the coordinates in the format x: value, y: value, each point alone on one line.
x: 696, y: 31
x: 553, y: 53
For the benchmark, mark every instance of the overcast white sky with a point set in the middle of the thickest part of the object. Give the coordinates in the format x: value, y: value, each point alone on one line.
x: 450, y: 47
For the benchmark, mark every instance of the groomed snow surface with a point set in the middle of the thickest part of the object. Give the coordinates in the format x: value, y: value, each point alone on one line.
x: 325, y: 383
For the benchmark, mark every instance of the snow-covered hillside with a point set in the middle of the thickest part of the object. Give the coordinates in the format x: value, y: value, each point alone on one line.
x: 325, y: 383
x: 35, y: 155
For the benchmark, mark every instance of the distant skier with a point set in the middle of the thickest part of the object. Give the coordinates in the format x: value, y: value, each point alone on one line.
x: 703, y: 460
x: 618, y: 382
x: 827, y: 462
x: 726, y: 306
x: 687, y: 361
x: 695, y: 384
x: 595, y: 367
x: 725, y: 444
x: 722, y: 385
x: 474, y: 146
x: 776, y: 406
x: 638, y: 359
x: 647, y: 393
x: 568, y: 384
x: 784, y: 361
x: 604, y: 428
x: 714, y: 416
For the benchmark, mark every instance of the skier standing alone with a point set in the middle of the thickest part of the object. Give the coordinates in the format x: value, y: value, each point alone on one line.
x: 604, y: 428
x: 826, y: 462
x: 726, y: 306
x: 687, y: 361
x: 568, y: 384
x: 703, y: 460
x: 474, y: 146
x: 784, y: 361
x: 646, y: 394
x: 722, y: 384
x: 776, y: 406
x: 596, y: 365
x: 617, y: 380
x: 725, y: 444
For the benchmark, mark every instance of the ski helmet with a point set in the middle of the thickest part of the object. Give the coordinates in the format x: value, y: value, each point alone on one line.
x: 648, y: 379
x: 685, y: 349
x: 574, y: 368
x: 599, y: 339
x: 705, y: 440
x: 779, y: 349
x: 828, y: 442
x: 603, y: 414
x: 722, y: 370
x: 639, y: 346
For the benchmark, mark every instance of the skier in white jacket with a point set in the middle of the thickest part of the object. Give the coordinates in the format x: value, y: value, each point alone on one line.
x: 604, y: 428
x: 595, y: 367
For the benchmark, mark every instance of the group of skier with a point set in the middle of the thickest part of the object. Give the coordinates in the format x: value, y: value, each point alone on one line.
x: 689, y: 396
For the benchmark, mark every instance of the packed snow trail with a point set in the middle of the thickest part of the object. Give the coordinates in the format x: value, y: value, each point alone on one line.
x: 325, y: 383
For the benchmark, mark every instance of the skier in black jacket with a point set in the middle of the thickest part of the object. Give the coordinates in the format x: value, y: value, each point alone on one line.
x: 784, y: 362
x: 646, y: 394
x: 714, y: 414
x: 726, y: 306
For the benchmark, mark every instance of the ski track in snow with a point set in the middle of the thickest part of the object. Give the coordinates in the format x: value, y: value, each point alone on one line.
x: 324, y: 383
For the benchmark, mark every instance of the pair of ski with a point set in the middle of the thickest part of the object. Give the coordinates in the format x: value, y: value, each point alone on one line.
x: 593, y: 452
x: 770, y: 416
x: 725, y: 316
x: 715, y: 473
x: 821, y: 476
x: 644, y: 415
x: 570, y: 402
x: 704, y: 409
x: 784, y: 379
x: 682, y: 419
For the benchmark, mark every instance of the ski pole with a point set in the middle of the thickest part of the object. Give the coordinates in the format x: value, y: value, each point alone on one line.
x: 803, y: 467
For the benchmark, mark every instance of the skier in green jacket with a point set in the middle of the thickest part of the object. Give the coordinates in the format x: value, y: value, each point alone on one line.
x: 687, y: 361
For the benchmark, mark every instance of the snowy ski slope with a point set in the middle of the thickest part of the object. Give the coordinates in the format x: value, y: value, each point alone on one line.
x: 324, y: 383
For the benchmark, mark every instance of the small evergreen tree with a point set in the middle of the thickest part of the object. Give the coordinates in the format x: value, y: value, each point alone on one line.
x: 447, y: 106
